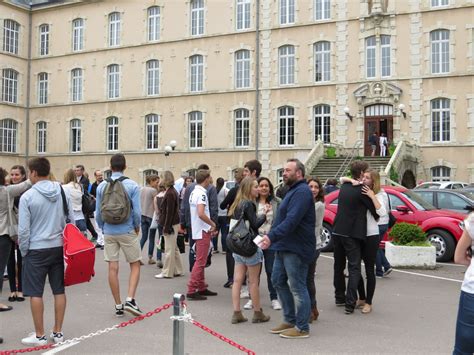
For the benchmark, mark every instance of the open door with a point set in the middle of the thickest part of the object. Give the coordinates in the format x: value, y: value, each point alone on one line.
x: 378, y: 120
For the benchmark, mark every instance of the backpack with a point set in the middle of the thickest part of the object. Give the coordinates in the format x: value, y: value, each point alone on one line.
x: 88, y: 204
x: 115, y: 206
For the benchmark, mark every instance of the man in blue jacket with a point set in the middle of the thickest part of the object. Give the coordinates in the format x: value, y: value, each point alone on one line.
x: 292, y: 237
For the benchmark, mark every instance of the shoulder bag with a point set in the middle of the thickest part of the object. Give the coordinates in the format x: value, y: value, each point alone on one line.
x: 240, y: 238
x: 391, y: 218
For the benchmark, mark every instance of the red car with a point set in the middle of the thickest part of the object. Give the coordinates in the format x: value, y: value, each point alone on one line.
x: 443, y: 227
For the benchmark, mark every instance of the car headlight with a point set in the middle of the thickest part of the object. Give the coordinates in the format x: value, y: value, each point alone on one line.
x: 461, y: 225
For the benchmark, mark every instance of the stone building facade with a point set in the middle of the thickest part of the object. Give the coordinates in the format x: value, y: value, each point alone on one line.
x: 231, y: 80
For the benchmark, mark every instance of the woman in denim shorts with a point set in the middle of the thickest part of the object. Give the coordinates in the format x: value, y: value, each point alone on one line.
x: 245, y: 204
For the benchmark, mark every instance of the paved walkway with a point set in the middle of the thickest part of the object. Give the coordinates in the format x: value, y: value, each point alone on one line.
x: 412, y: 314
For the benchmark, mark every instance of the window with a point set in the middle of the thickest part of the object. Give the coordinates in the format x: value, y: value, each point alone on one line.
x: 395, y: 201
x: 439, y: 51
x: 385, y: 56
x: 8, y: 135
x: 449, y: 201
x: 152, y: 121
x: 78, y: 34
x: 112, y: 133
x: 279, y: 175
x: 114, y: 29
x: 11, y: 30
x: 153, y: 77
x: 322, y: 9
x: 287, y: 125
x: 322, y: 61
x: 370, y: 56
x: 41, y: 137
x: 243, y: 14
x: 286, y: 64
x: 441, y: 173
x: 10, y: 86
x: 113, y: 81
x: 76, y: 85
x: 197, y: 17
x: 196, y: 63
x: 242, y: 127
x: 428, y: 196
x: 44, y: 39
x: 287, y: 12
x: 154, y: 23
x: 242, y: 69
x: 76, y: 135
x: 42, y: 88
x: 195, y: 129
x: 439, y: 3
x: 322, y: 123
x: 440, y: 120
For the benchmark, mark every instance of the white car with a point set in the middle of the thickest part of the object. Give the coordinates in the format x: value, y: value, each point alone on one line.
x: 448, y: 185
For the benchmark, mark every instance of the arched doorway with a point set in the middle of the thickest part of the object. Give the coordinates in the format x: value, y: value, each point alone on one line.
x: 378, y: 120
x: 409, y: 179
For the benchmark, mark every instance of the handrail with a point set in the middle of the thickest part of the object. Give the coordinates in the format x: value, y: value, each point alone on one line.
x: 394, y: 159
x: 348, y: 160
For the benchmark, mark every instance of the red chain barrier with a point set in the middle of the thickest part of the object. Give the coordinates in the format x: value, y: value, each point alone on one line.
x: 223, y: 338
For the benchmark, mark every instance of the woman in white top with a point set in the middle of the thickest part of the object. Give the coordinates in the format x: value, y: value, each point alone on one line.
x: 75, y: 194
x: 464, y: 343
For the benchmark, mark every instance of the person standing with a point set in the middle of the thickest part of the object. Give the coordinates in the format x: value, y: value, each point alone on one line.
x: 464, y: 341
x: 147, y: 196
x: 83, y: 180
x: 383, y: 142
x: 75, y: 192
x: 120, y: 231
x: 169, y: 220
x: 99, y: 177
x: 350, y: 229
x: 40, y: 236
x: 292, y: 237
x: 202, y: 227
x: 373, y: 143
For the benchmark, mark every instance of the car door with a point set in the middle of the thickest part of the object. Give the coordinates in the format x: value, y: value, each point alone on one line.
x: 396, y: 201
x: 452, y: 202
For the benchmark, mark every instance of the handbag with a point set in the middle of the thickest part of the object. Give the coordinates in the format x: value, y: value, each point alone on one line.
x: 391, y: 218
x: 12, y: 221
x: 240, y: 238
x: 180, y: 243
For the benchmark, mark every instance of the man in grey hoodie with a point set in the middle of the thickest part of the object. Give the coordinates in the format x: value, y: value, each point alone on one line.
x: 41, y: 223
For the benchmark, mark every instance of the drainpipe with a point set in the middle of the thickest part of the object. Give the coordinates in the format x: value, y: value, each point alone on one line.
x: 257, y: 79
x: 28, y: 86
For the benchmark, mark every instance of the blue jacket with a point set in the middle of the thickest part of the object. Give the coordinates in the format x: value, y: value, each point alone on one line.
x: 293, y: 228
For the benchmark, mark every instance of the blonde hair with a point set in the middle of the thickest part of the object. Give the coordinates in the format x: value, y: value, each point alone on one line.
x: 243, y: 194
x: 375, y: 177
x: 69, y: 176
x: 168, y: 179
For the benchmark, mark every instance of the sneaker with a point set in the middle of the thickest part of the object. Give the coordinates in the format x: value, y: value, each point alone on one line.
x: 244, y: 292
x: 248, y: 305
x: 360, y: 304
x: 131, y: 307
x: 151, y: 261
x: 281, y: 328
x: 159, y: 263
x: 379, y: 276
x: 349, y: 310
x: 367, y: 308
x: 388, y: 271
x: 215, y: 252
x: 57, y: 337
x: 119, y: 310
x: 228, y: 284
x: 294, y: 333
x: 32, y: 339
x: 276, y: 305
x: 195, y: 296
x: 207, y: 292
x: 161, y: 276
x: 340, y: 303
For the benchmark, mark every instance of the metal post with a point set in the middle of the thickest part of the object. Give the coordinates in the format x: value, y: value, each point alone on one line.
x: 178, y: 326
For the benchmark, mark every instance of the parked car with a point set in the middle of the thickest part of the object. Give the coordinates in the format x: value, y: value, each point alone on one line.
x: 449, y: 185
x: 229, y: 184
x: 454, y: 200
x: 444, y: 228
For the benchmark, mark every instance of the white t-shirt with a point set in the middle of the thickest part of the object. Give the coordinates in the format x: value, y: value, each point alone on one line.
x: 198, y: 197
x: 468, y: 283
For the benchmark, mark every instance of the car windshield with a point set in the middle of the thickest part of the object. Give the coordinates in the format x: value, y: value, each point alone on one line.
x: 417, y: 201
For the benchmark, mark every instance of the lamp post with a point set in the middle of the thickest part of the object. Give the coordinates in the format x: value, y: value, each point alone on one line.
x: 171, y: 146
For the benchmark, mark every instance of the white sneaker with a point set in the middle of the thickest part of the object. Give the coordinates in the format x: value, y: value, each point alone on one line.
x: 248, y: 305
x: 244, y: 292
x: 57, y: 337
x: 159, y: 276
x: 276, y: 305
x: 32, y: 339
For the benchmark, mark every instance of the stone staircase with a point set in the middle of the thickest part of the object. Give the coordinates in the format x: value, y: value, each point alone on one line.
x: 328, y: 167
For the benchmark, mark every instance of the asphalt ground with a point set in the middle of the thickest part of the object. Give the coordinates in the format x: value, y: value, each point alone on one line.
x: 414, y: 312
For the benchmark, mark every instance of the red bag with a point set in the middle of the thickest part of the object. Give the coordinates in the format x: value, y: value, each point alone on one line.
x: 79, y: 256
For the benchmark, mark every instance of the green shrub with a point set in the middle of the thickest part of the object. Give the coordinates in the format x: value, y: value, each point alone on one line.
x: 394, y: 175
x: 391, y: 149
x: 408, y: 234
x: 331, y: 152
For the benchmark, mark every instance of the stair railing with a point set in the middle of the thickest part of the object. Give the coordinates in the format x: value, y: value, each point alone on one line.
x: 348, y: 160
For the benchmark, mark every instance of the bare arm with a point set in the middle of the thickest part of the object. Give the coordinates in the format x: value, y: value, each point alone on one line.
x: 460, y: 255
x: 201, y: 211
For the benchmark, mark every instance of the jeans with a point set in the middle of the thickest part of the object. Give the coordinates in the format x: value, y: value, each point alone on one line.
x: 197, y: 280
x: 13, y: 265
x: 369, y: 249
x: 381, y: 262
x: 146, y: 223
x: 464, y: 343
x: 289, y: 279
x: 5, y: 246
x: 269, y: 259
x: 223, y: 223
x: 310, y: 280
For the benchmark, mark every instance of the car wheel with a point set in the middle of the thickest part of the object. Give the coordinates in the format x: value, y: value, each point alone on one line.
x: 444, y: 244
x: 326, y: 238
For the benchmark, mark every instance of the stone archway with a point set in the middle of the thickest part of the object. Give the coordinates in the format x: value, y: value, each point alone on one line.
x: 409, y: 179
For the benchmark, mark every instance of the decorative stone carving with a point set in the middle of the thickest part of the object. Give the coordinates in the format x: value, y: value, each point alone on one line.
x: 377, y: 92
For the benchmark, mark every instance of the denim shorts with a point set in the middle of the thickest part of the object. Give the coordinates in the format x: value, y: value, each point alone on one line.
x: 251, y: 260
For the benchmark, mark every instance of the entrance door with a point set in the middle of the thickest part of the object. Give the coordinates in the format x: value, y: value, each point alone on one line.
x: 378, y: 120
